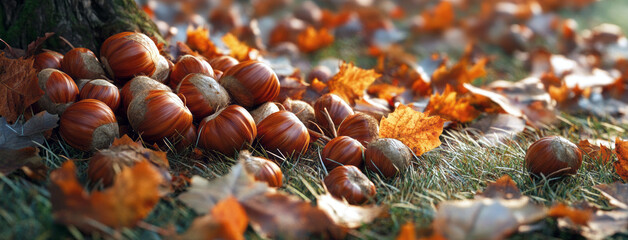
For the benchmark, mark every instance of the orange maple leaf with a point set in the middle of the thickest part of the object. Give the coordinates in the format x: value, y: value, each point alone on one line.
x: 439, y: 18
x: 621, y: 166
x: 351, y: 81
x: 239, y: 50
x: 416, y: 130
x: 18, y: 86
x: 386, y: 91
x: 451, y: 106
x: 580, y: 217
x: 458, y: 75
x: 407, y: 232
x: 131, y: 198
x: 311, y: 40
x: 198, y: 40
x: 596, y: 152
x: 227, y: 220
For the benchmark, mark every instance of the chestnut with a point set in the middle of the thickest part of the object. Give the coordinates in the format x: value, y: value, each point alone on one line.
x: 341, y: 151
x: 88, y: 125
x: 303, y: 110
x: 262, y: 169
x: 60, y: 91
x: 189, y: 64
x: 81, y: 63
x: 128, y: 54
x: 553, y: 156
x: 158, y: 114
x: 228, y: 130
x: 264, y: 111
x: 48, y: 59
x: 361, y: 127
x: 102, y: 90
x: 163, y: 69
x: 203, y: 94
x: 186, y: 138
x: 251, y: 83
x: 223, y: 63
x: 136, y: 86
x: 387, y: 156
x: 337, y: 108
x: 282, y: 132
x: 350, y: 183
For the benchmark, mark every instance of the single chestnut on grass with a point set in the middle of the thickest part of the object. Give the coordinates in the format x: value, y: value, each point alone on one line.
x: 341, y: 151
x: 60, y: 91
x: 203, y: 94
x: 251, y: 83
x: 283, y: 133
x: 81, y: 63
x: 102, y: 90
x: 227, y: 130
x: 553, y: 156
x: 387, y: 156
x: 88, y: 125
x: 158, y: 114
x: 350, y: 183
x: 361, y: 127
x: 262, y: 169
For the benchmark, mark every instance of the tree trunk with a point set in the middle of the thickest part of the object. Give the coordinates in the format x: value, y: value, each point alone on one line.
x: 84, y: 23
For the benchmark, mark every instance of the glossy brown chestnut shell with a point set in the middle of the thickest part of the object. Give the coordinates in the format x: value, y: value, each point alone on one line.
x: 387, y: 156
x: 361, y: 127
x: 251, y: 83
x: 282, y: 132
x: 227, y: 131
x: 102, y: 90
x: 341, y: 151
x: 187, y: 138
x: 81, y: 63
x: 203, y: 94
x: 337, y: 107
x: 88, y: 125
x: 553, y: 156
x: 48, y: 59
x: 262, y: 169
x: 138, y: 85
x: 189, y: 64
x: 350, y: 183
x: 128, y: 54
x: 60, y: 91
x: 223, y: 63
x: 158, y: 114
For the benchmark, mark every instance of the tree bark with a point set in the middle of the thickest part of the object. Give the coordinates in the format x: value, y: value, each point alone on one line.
x: 84, y: 23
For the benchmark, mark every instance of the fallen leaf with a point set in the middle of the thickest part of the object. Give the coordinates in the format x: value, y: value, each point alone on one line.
x: 277, y: 215
x: 198, y: 40
x: 497, y: 127
x: 131, y: 198
x: 12, y: 159
x: 239, y: 50
x: 601, y: 225
x: 35, y: 46
x: 311, y: 39
x: 458, y: 75
x: 504, y: 188
x: 346, y: 215
x: 416, y: 130
x: 28, y: 134
x: 227, y: 220
x: 351, y: 81
x: 203, y: 194
x: 18, y: 86
x: 451, y: 106
x: 596, y: 152
x: 385, y: 91
x: 485, y: 218
x: 438, y: 18
x: 621, y: 166
x: 617, y: 193
x: 291, y: 87
x: 407, y: 232
x: 501, y: 100
x: 577, y: 216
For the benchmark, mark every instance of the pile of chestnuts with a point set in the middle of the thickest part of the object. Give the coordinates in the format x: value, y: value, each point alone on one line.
x: 219, y: 104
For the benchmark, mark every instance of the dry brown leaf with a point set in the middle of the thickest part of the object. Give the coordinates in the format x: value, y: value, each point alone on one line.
x: 498, y: 127
x: 198, y: 40
x: 504, y: 188
x: 227, y: 220
x: 386, y: 91
x: 617, y: 193
x: 351, y: 81
x: 35, y: 46
x: 291, y: 87
x: 311, y: 39
x: 131, y: 198
x: 346, y: 215
x: 596, y: 152
x: 577, y: 216
x: 621, y: 166
x: 239, y: 50
x: 18, y: 86
x: 416, y: 130
x: 438, y: 19
x: 451, y: 106
x: 458, y: 75
x: 11, y: 159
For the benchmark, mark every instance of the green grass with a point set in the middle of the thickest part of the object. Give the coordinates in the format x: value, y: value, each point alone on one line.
x: 460, y: 168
